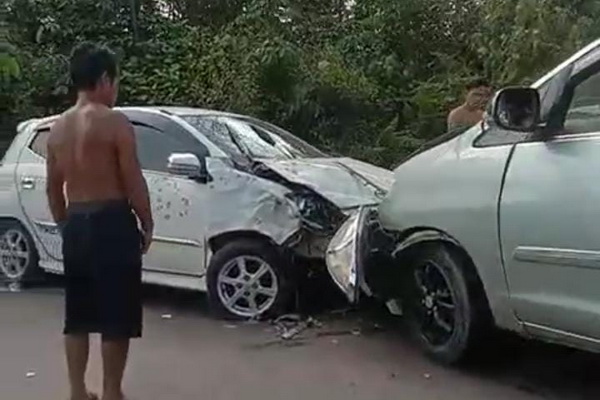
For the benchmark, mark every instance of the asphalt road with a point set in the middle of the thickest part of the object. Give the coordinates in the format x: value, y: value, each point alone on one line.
x: 186, y: 355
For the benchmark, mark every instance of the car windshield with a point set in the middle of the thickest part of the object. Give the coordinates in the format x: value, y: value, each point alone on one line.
x: 252, y: 138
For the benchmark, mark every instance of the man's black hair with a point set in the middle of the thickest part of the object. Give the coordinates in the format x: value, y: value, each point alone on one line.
x: 89, y: 62
x: 479, y: 82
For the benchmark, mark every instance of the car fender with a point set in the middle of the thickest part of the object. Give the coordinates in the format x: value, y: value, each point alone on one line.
x: 243, y: 202
x: 421, y: 236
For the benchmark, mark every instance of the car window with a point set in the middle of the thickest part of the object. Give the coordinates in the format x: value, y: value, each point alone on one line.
x: 240, y: 136
x: 39, y: 144
x: 583, y: 114
x: 258, y: 142
x: 155, y: 146
x: 217, y: 132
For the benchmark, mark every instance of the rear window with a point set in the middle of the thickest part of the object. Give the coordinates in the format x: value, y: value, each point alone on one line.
x: 39, y: 144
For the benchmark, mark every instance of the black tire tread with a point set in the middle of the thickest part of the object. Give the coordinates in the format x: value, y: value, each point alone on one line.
x: 480, y: 323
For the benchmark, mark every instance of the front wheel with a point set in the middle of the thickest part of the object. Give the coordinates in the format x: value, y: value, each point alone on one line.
x: 445, y: 309
x: 247, y: 279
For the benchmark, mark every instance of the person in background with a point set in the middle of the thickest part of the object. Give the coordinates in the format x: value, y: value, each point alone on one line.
x: 92, y: 154
x: 471, y: 111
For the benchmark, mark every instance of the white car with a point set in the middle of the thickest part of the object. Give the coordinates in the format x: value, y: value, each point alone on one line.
x: 497, y: 226
x: 239, y: 205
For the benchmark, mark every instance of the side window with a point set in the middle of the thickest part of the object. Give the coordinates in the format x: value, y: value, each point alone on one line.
x: 583, y: 114
x: 39, y: 144
x: 155, y: 147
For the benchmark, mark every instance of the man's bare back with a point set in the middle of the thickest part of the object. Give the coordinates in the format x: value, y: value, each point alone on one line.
x: 84, y: 142
x: 92, y: 151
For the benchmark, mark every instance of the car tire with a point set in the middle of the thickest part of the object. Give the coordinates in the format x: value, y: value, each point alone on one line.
x: 247, y: 279
x: 446, y: 308
x: 19, y: 259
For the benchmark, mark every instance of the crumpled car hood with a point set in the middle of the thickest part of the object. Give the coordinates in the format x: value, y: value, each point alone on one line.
x: 346, y: 182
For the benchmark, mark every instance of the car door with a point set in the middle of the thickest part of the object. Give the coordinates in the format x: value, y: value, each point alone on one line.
x: 550, y: 216
x: 30, y: 176
x: 178, y: 203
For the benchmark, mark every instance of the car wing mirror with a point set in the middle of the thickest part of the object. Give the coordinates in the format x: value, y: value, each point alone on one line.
x: 189, y: 166
x: 517, y: 109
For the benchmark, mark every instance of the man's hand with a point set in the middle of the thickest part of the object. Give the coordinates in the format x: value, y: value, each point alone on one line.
x: 146, y: 240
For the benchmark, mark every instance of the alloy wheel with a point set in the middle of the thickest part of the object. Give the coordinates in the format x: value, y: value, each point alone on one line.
x: 247, y: 286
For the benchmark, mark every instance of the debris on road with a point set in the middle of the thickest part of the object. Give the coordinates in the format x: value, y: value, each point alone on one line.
x: 427, y: 376
x: 166, y: 316
x: 394, y: 307
x: 30, y: 375
x: 345, y: 332
x: 291, y: 325
x: 13, y: 287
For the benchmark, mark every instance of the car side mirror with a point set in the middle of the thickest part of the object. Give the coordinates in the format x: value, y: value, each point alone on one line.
x: 188, y: 165
x: 517, y: 109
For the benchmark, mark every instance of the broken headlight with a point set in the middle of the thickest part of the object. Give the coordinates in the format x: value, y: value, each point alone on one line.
x: 317, y: 214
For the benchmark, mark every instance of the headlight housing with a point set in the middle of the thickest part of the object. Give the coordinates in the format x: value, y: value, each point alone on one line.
x: 317, y: 214
x: 341, y: 256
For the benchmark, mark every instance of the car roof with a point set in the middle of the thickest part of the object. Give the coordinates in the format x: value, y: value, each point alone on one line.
x: 169, y: 110
x: 571, y: 59
x: 182, y: 111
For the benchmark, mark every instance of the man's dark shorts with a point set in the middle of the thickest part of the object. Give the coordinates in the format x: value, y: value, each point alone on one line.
x: 103, y: 267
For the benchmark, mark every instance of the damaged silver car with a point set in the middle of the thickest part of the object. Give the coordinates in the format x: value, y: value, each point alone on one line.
x: 241, y: 206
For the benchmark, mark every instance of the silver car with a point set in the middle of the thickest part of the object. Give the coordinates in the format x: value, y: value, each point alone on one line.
x: 496, y: 227
x: 241, y: 206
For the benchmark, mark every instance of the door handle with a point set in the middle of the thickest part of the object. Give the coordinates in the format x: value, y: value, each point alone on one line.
x: 27, y: 183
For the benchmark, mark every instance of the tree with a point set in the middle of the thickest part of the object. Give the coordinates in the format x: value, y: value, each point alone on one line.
x: 372, y: 79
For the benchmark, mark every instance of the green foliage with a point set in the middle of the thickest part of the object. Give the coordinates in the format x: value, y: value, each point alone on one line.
x: 373, y: 79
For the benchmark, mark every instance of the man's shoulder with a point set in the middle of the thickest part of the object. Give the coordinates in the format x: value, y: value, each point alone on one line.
x: 457, y: 111
x: 111, y: 123
x: 107, y: 115
x: 57, y: 129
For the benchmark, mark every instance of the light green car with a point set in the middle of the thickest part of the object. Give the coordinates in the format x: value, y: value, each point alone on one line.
x: 496, y: 227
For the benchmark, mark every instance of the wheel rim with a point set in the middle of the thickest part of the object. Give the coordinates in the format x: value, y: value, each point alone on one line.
x: 247, y: 286
x: 436, y: 309
x: 14, y: 254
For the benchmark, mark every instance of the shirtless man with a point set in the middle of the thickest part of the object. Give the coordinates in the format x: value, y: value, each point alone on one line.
x: 92, y: 153
x: 471, y: 112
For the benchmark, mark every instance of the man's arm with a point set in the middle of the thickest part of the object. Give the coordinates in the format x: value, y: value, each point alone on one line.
x: 55, y: 182
x: 453, y: 121
x: 131, y: 173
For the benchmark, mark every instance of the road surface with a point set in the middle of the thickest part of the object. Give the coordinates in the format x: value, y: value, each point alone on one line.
x: 186, y: 355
